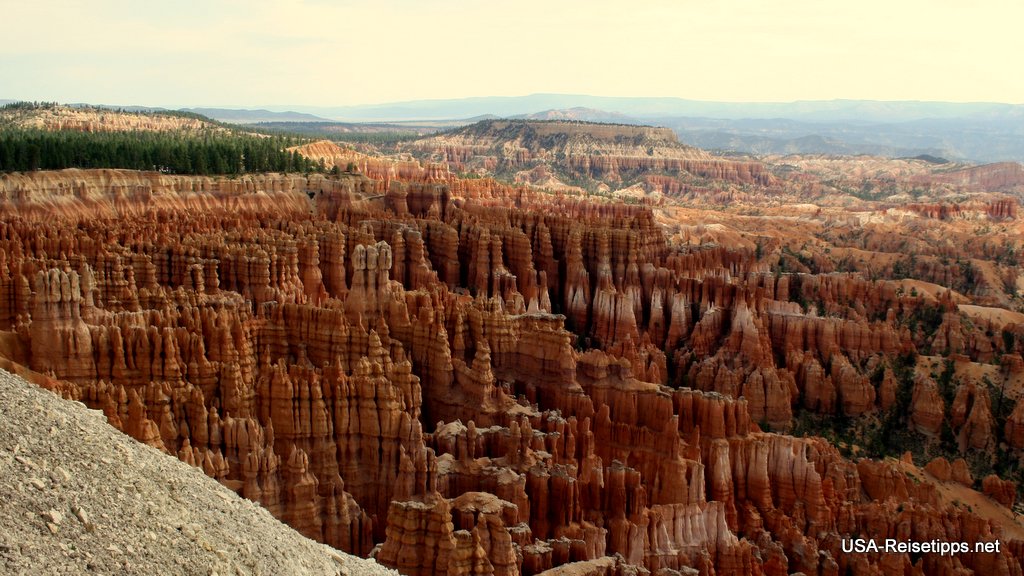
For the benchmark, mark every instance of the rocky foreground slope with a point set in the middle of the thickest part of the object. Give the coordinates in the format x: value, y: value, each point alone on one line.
x: 78, y: 497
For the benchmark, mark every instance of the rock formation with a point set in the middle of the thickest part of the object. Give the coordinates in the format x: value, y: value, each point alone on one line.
x: 462, y: 377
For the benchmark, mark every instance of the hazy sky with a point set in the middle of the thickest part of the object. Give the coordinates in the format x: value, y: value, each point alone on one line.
x: 323, y: 52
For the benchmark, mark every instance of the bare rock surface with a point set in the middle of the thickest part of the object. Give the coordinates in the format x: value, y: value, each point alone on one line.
x: 79, y: 497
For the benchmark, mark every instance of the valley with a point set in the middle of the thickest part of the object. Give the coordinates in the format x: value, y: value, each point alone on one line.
x: 531, y: 346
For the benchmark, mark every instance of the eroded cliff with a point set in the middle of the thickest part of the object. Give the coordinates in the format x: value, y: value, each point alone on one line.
x: 462, y: 377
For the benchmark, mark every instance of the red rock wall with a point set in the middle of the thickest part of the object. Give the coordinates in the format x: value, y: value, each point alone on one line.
x: 476, y: 378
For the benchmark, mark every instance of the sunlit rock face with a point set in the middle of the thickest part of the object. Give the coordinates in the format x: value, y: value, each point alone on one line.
x: 463, y: 377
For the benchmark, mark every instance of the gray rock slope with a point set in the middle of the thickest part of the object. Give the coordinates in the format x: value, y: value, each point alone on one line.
x: 79, y: 497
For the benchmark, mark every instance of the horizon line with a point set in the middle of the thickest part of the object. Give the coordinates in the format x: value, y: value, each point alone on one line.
x: 235, y: 106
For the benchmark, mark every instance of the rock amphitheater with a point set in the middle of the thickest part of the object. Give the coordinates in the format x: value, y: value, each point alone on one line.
x: 461, y: 377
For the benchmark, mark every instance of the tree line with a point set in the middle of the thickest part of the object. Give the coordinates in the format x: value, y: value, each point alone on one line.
x: 23, y: 150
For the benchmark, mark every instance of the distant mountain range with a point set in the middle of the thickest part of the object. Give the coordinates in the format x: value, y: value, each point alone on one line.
x: 970, y: 139
x: 246, y: 116
x: 233, y: 115
x: 578, y: 113
x: 974, y: 131
x: 860, y: 111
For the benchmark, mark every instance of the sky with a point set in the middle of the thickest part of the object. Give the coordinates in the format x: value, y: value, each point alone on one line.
x: 347, y: 52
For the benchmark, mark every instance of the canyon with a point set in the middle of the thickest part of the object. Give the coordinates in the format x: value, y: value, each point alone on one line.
x: 459, y: 375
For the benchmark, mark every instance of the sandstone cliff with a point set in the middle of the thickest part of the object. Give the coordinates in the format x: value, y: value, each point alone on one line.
x: 463, y: 377
x: 583, y: 152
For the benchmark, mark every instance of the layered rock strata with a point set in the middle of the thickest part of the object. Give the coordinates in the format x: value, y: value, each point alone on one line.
x: 475, y: 379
